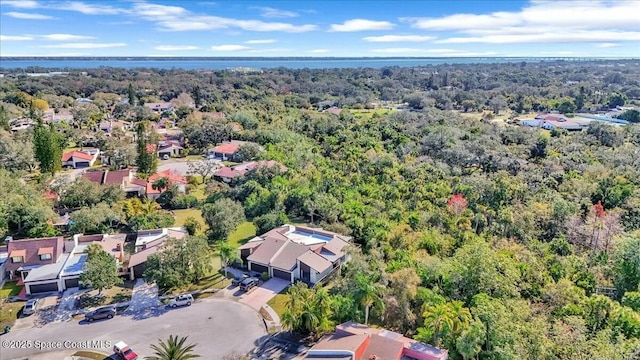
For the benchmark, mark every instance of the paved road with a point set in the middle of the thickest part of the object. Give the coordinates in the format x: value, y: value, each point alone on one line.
x: 219, y: 328
x: 180, y: 167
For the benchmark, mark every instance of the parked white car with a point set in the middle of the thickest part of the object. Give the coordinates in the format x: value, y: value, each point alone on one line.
x: 181, y: 300
x: 30, y: 307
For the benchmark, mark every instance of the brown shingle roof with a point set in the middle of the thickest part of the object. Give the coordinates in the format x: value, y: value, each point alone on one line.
x: 334, y: 342
x: 94, y: 176
x: 336, y: 245
x: 116, y: 177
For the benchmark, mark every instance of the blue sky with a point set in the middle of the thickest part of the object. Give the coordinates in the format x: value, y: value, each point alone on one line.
x: 319, y: 28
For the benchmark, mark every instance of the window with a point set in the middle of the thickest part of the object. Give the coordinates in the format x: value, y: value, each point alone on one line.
x: 17, y: 259
x: 45, y: 256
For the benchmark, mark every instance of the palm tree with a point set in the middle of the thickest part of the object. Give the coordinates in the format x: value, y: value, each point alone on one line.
x: 439, y: 319
x: 369, y: 295
x: 160, y: 184
x: 149, y: 207
x: 460, y: 315
x: 173, y: 349
x: 226, y: 252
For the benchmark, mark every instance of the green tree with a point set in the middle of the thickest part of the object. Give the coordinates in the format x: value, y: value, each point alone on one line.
x: 46, y: 142
x: 369, y: 295
x: 131, y: 94
x: 616, y: 99
x: 626, y: 265
x: 227, y: 255
x: 308, y: 310
x: 146, y: 160
x: 469, y: 344
x: 4, y: 118
x: 631, y: 115
x: 192, y: 225
x: 223, y: 216
x: 173, y: 348
x: 100, y: 270
x: 181, y: 261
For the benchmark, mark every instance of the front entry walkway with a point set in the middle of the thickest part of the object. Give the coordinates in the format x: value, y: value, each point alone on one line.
x: 260, y: 295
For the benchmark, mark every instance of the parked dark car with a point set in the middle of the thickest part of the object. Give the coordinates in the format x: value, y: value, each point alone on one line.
x: 248, y: 283
x: 238, y: 279
x: 106, y: 312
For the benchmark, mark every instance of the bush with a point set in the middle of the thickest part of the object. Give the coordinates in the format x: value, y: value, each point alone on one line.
x: 192, y: 225
x: 632, y: 300
x: 269, y: 221
x: 184, y: 202
x: 265, y: 276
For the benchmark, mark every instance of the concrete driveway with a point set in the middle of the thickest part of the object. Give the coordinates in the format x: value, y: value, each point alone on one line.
x: 218, y: 327
x: 144, y: 296
x: 178, y: 166
x: 260, y: 295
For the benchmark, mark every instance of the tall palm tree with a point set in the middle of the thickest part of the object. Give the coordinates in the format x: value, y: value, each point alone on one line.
x: 369, y: 295
x: 460, y: 316
x: 226, y: 252
x: 173, y: 348
x: 440, y: 320
x: 149, y: 207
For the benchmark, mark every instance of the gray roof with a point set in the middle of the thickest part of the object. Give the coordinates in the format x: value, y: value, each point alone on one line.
x: 266, y: 251
x: 315, y: 261
x: 47, y: 272
x: 285, y: 258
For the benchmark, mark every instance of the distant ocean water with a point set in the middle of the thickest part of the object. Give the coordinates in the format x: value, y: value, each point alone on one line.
x: 262, y: 63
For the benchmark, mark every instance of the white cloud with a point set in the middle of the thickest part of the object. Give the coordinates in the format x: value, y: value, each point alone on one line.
x: 319, y: 51
x: 175, y: 18
x: 22, y: 4
x: 361, y: 25
x: 542, y: 22
x: 84, y: 45
x: 15, y: 38
x: 66, y: 37
x: 88, y: 9
x: 432, y: 52
x: 230, y: 48
x: 548, y: 37
x: 265, y: 41
x: 175, y: 47
x: 398, y: 38
x: 270, y: 12
x: 607, y: 45
x: 30, y: 16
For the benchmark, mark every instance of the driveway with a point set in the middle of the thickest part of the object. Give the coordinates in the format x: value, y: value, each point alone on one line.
x: 260, y: 295
x: 144, y: 296
x: 218, y: 327
x: 178, y: 166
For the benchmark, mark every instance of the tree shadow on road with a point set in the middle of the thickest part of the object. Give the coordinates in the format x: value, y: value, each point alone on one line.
x: 146, y: 313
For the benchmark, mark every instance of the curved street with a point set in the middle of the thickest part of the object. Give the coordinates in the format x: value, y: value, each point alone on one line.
x: 218, y: 327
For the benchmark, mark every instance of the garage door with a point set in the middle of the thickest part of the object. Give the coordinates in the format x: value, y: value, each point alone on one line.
x: 82, y: 164
x: 69, y: 283
x: 282, y: 274
x: 259, y: 268
x: 43, y: 288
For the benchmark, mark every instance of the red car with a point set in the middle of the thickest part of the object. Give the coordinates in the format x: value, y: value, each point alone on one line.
x: 124, y: 351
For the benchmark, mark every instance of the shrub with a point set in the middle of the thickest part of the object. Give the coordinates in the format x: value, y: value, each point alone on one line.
x: 265, y: 276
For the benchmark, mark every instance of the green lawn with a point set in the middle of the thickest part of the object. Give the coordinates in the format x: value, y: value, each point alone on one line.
x: 243, y: 233
x: 10, y: 288
x: 9, y: 313
x: 279, y: 302
x: 116, y: 294
x: 183, y: 214
x: 199, y: 191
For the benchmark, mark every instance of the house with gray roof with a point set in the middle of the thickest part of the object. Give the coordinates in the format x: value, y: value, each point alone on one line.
x: 296, y: 253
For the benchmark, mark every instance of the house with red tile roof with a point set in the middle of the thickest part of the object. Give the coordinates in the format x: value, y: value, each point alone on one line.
x: 173, y: 178
x: 353, y: 341
x: 80, y: 159
x: 296, y: 253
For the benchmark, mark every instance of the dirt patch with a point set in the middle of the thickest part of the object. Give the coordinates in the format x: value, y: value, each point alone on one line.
x: 265, y: 314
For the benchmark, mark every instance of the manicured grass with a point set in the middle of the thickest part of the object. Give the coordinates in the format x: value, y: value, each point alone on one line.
x: 242, y: 234
x: 10, y: 288
x: 9, y: 313
x: 113, y: 295
x: 183, y: 214
x: 279, y: 302
x: 199, y: 191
